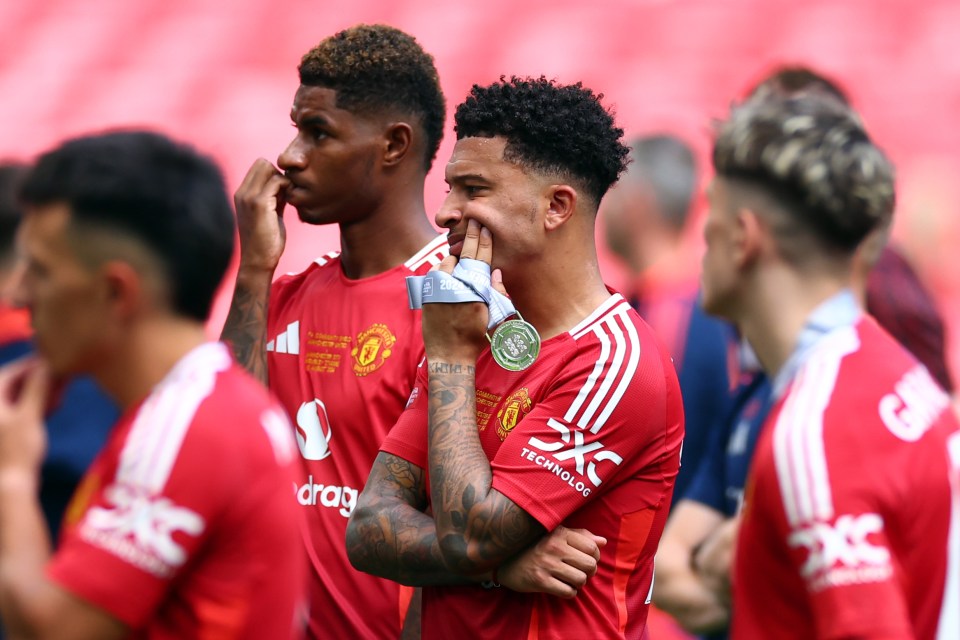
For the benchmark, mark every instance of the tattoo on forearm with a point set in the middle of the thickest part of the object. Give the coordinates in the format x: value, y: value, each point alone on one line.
x: 389, y: 534
x: 478, y: 526
x: 245, y: 330
x: 447, y: 368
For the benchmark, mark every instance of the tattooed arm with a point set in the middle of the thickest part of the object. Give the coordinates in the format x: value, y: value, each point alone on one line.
x: 245, y: 329
x: 389, y: 535
x: 259, y: 203
x: 478, y: 527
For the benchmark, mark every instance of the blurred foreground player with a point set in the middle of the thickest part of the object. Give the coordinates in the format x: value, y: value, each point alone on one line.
x: 585, y: 435
x: 853, y: 492
x: 338, y: 342
x: 125, y: 239
x: 80, y: 420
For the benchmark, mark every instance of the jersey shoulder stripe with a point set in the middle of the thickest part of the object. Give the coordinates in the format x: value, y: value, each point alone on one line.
x: 614, y: 369
x: 431, y: 254
x: 800, y: 456
x: 164, y: 418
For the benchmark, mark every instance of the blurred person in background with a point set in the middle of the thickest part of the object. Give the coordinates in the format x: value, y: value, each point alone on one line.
x: 695, y: 555
x: 125, y: 238
x: 648, y: 218
x: 338, y: 342
x: 494, y: 457
x: 854, y: 478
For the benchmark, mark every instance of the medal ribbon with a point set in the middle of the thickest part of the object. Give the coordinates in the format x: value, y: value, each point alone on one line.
x: 469, y: 282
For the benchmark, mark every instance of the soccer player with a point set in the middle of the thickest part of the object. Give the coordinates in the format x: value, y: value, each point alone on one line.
x: 853, y: 490
x: 338, y: 342
x: 588, y: 435
x: 125, y: 238
x: 695, y: 555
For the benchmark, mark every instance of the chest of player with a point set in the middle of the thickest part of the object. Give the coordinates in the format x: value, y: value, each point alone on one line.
x: 505, y: 398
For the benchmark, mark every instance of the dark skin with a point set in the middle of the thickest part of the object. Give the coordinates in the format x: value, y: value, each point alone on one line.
x: 362, y: 172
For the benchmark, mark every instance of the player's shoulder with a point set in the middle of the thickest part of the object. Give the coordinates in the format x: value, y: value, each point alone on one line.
x: 615, y: 330
x: 327, y: 263
x: 209, y: 396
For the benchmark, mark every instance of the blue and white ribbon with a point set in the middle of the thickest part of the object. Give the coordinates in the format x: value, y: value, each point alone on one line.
x: 469, y: 282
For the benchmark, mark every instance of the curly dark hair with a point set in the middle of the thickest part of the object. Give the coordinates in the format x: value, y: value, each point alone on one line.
x: 549, y: 127
x: 375, y: 68
x: 813, y: 155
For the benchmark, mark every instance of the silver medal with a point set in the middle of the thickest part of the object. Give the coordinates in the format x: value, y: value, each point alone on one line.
x: 515, y: 344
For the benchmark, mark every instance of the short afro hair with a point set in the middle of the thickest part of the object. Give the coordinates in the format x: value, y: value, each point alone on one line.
x: 376, y: 68
x: 812, y: 154
x: 550, y: 128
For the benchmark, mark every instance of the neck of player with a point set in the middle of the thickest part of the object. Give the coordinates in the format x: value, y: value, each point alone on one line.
x: 772, y: 318
x: 556, y: 296
x: 386, y: 238
x: 144, y: 355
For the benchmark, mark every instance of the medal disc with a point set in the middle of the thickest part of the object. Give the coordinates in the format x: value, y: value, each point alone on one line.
x: 515, y: 345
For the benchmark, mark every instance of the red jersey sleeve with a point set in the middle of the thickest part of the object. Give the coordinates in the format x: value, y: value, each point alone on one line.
x: 612, y: 415
x: 408, y: 438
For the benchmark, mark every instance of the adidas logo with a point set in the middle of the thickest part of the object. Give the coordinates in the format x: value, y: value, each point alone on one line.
x: 288, y: 341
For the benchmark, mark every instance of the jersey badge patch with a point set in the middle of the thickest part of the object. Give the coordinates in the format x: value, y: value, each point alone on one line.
x: 517, y: 405
x: 374, y: 346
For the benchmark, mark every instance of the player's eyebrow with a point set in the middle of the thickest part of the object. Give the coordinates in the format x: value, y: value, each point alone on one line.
x: 465, y: 177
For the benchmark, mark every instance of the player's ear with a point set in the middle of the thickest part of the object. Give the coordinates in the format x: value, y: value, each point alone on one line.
x: 561, y: 203
x: 752, y: 234
x: 122, y: 289
x: 397, y: 142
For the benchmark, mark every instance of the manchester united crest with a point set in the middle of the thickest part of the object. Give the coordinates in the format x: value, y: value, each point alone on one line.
x: 516, y: 406
x: 373, y: 347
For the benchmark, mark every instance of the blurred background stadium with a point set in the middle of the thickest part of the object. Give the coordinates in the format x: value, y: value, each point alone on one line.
x: 222, y: 73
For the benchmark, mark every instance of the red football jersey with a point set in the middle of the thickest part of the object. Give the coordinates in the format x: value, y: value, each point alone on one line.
x: 183, y: 527
x: 342, y: 357
x: 851, y: 525
x: 589, y: 436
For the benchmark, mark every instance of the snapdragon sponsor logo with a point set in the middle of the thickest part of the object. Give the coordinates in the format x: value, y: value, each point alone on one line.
x: 572, y: 445
x: 840, y: 553
x: 344, y: 499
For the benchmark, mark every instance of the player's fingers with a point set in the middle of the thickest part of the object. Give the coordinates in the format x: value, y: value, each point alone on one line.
x: 577, y: 566
x: 485, y: 246
x: 558, y: 587
x: 471, y: 240
x: 447, y: 264
x: 257, y: 175
x: 584, y: 541
x: 496, y: 278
